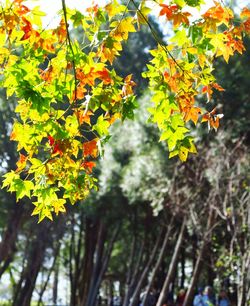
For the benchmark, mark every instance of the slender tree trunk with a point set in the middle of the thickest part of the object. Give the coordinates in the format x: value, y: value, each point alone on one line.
x: 135, y: 276
x: 30, y: 275
x: 183, y: 260
x: 87, y: 265
x: 199, y: 262
x: 98, y: 257
x: 172, y: 265
x: 158, y: 263
x: 55, y: 283
x: 242, y: 287
x: 129, y: 272
x: 135, y: 296
x: 8, y: 243
x: 92, y: 297
x: 52, y: 268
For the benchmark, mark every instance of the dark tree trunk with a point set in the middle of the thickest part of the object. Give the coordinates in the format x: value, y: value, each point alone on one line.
x: 136, y: 273
x: 86, y: 266
x: 8, y: 243
x: 158, y: 263
x: 55, y: 283
x: 199, y: 262
x: 129, y: 272
x: 183, y: 261
x: 93, y: 291
x: 172, y: 266
x: 28, y: 280
x: 135, y: 296
x: 52, y: 268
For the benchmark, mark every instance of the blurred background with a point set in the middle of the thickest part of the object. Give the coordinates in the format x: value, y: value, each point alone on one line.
x: 153, y: 221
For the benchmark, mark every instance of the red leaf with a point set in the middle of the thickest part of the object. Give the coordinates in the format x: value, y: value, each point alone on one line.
x: 51, y: 140
x: 57, y: 149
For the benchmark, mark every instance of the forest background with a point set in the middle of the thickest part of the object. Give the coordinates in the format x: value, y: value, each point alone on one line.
x: 154, y: 222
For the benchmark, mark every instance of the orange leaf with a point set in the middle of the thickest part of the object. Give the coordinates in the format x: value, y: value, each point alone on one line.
x: 245, y: 13
x: 104, y: 76
x: 218, y: 87
x: 168, y: 10
x: 21, y: 163
x: 88, y: 166
x: 61, y: 31
x: 192, y: 114
x: 83, y: 116
x: 127, y: 88
x: 212, y: 119
x: 90, y: 148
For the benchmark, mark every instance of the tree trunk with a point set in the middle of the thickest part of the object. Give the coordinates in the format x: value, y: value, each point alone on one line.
x: 86, y: 267
x: 28, y: 280
x: 52, y: 268
x: 93, y: 292
x: 172, y: 265
x: 8, y: 243
x: 55, y: 283
x: 158, y: 263
x: 135, y: 296
x: 135, y: 276
x: 183, y: 260
x: 199, y: 262
x: 129, y: 272
x: 242, y: 286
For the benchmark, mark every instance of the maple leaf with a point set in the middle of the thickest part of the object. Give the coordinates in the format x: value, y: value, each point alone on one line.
x: 192, y: 113
x: 217, y: 86
x: 21, y: 163
x: 93, y: 9
x: 127, y: 88
x: 168, y: 10
x: 46, y: 74
x: 218, y: 13
x: 78, y: 93
x: 90, y: 148
x: 59, y: 206
x: 104, y: 76
x: 212, y: 119
x: 219, y: 41
x: 57, y: 149
x: 245, y: 13
x: 123, y: 28
x: 51, y: 140
x: 84, y: 116
x: 61, y: 31
x: 56, y: 146
x: 180, y: 18
x: 88, y: 166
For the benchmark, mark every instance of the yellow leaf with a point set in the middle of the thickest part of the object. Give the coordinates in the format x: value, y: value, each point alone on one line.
x: 114, y: 8
x: 59, y: 206
x: 183, y: 153
x: 122, y: 28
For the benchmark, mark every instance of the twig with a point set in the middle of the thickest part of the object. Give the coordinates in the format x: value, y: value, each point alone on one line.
x: 70, y: 46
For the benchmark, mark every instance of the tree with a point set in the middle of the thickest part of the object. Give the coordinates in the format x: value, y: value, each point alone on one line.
x: 69, y: 94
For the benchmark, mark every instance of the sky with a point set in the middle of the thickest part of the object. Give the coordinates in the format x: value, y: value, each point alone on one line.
x: 51, y: 7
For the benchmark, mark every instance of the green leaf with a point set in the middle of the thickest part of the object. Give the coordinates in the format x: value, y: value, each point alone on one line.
x: 22, y: 188
x: 180, y: 38
x: 10, y: 177
x: 101, y: 126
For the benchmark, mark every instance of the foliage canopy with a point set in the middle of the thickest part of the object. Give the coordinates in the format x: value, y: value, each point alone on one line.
x: 69, y: 94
